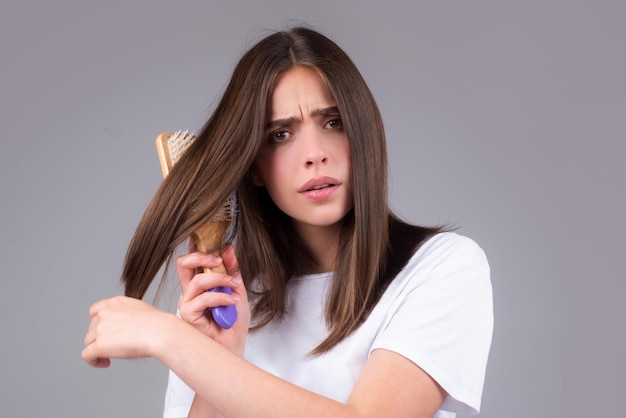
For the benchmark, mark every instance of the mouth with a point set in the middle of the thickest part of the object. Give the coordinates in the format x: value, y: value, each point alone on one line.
x: 319, y: 184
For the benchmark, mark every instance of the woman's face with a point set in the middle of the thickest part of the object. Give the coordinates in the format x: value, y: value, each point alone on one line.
x: 305, y: 160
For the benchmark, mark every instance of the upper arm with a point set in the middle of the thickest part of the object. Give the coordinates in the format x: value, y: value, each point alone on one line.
x: 392, y: 385
x: 442, y: 321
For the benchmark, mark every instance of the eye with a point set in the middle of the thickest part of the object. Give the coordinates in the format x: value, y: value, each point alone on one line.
x: 278, y: 136
x: 335, y: 123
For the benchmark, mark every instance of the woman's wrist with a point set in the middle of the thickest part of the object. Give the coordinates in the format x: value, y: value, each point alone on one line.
x: 168, y: 331
x: 173, y: 335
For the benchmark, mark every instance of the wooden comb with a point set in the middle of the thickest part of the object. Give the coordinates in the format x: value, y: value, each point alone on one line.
x: 209, y: 236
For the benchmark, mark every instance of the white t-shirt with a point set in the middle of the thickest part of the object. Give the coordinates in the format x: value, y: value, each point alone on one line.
x: 437, y: 312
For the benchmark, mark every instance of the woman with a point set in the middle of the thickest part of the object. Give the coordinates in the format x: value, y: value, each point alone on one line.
x: 343, y: 309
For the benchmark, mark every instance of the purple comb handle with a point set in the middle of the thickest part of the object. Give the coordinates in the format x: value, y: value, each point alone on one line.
x: 225, y: 316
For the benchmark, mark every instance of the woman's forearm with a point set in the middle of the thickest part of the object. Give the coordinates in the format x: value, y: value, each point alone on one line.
x: 232, y: 386
x: 201, y: 409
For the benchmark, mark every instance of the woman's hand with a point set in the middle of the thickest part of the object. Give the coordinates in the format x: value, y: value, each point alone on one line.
x: 195, y: 300
x: 124, y: 328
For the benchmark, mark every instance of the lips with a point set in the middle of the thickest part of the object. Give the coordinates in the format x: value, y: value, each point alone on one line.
x: 319, y: 189
x: 318, y: 184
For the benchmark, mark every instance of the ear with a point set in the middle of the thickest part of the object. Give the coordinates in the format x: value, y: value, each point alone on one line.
x: 256, y: 177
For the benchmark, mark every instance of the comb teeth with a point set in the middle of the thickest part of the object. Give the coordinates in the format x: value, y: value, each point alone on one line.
x: 228, y: 211
x: 171, y: 147
x: 177, y: 143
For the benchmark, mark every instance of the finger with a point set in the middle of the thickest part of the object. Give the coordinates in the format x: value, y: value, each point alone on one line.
x: 230, y: 260
x: 210, y: 299
x: 90, y: 357
x: 187, y: 265
x: 232, y: 266
x: 98, y: 306
x: 194, y: 310
x: 90, y: 336
x: 184, y: 273
x: 203, y: 281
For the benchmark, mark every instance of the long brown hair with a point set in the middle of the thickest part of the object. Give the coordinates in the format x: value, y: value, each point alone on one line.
x: 268, y: 249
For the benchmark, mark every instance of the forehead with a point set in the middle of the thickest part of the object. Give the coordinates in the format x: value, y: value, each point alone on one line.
x: 300, y: 89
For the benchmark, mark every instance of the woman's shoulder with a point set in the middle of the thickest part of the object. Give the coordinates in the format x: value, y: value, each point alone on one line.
x: 451, y: 245
x: 447, y: 250
x: 418, y: 249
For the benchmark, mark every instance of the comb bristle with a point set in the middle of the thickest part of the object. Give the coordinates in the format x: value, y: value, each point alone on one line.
x: 178, y: 143
x: 175, y: 145
x: 228, y: 211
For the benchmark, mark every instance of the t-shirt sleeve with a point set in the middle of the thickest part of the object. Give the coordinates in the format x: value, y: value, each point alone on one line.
x: 442, y: 320
x: 178, y: 398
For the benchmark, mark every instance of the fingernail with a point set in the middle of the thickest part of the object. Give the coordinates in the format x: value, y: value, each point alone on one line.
x: 236, y: 280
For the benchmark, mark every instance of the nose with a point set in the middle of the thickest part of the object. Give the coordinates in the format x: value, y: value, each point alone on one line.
x: 315, y: 159
x: 314, y: 150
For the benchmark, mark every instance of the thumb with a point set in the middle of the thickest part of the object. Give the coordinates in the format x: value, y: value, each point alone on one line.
x: 230, y: 260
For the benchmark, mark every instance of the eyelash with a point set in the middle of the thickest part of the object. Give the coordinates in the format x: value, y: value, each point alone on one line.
x: 339, y: 121
x: 334, y: 123
x: 271, y: 138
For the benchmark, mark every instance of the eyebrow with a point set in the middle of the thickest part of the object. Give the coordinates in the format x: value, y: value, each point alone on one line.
x: 324, y: 111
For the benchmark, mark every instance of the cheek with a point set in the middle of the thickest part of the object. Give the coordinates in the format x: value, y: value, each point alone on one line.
x: 269, y: 171
x: 345, y: 155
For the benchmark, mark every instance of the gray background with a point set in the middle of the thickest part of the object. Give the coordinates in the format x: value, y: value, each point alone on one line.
x: 504, y: 118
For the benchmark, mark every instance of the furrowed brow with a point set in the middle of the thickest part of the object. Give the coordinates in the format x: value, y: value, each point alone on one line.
x: 324, y: 111
x: 280, y: 122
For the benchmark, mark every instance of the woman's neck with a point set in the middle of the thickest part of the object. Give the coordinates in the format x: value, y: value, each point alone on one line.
x: 322, y: 243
